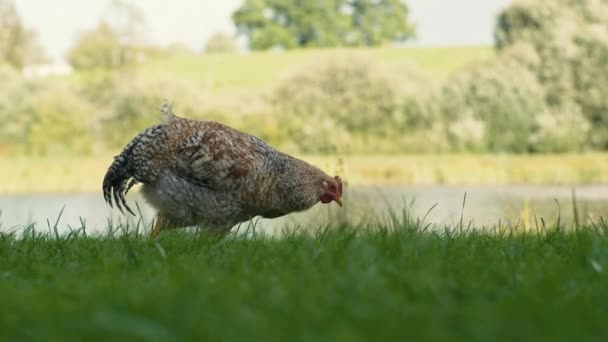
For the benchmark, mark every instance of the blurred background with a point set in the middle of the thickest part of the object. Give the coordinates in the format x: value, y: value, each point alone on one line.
x: 416, y: 102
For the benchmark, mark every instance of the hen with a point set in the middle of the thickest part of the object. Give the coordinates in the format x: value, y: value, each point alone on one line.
x: 203, y: 173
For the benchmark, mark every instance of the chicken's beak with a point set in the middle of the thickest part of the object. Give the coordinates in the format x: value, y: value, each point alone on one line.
x: 339, y: 201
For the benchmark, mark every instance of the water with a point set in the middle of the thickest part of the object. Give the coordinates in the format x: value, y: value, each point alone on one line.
x: 484, y: 206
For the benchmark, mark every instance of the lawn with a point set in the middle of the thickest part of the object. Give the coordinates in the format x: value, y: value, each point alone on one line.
x: 331, y: 284
x: 259, y: 70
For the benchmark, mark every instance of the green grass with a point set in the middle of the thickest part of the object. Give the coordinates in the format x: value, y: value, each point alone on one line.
x: 258, y: 70
x: 340, y: 284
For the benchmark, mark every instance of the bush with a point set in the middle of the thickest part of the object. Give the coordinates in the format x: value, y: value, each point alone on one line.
x: 42, y: 118
x: 570, y: 38
x: 562, y: 129
x: 51, y: 119
x: 221, y: 43
x: 419, y: 125
x: 346, y: 90
x: 100, y: 48
x: 136, y: 104
x: 352, y: 103
x: 14, y: 90
x: 492, y: 107
x: 61, y: 122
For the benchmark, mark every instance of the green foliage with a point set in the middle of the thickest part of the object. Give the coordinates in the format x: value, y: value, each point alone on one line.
x: 492, y: 107
x: 135, y: 105
x: 344, y: 89
x: 348, y: 101
x: 544, y: 91
x: 118, y: 103
x: 18, y: 45
x: 523, y: 21
x: 115, y: 43
x: 291, y: 24
x: 560, y: 129
x: 570, y: 40
x: 58, y: 120
x: 397, y: 281
x: 14, y: 90
x: 220, y: 43
x: 41, y: 118
x: 375, y: 22
x: 99, y: 48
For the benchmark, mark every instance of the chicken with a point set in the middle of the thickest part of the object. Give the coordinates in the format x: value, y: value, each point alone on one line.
x: 206, y: 174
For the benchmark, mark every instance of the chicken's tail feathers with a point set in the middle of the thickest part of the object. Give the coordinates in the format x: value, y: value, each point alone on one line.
x: 133, y: 165
x: 167, y: 112
x: 117, y: 182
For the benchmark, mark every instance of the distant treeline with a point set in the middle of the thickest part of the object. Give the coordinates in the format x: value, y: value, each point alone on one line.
x: 546, y: 91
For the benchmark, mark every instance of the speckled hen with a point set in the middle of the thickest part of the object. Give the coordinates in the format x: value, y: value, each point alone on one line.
x: 204, y: 173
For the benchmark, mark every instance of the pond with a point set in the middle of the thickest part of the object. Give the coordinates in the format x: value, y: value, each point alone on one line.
x: 440, y: 205
x: 482, y: 206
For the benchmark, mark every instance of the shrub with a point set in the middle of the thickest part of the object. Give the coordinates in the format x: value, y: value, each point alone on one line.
x: 570, y: 38
x: 419, y: 127
x: 100, y: 48
x: 492, y: 107
x: 136, y: 104
x: 14, y: 90
x: 351, y: 102
x: 221, y: 43
x: 346, y: 90
x: 53, y: 119
x: 561, y: 129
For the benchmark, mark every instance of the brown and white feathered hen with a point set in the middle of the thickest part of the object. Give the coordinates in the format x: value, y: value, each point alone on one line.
x: 203, y: 173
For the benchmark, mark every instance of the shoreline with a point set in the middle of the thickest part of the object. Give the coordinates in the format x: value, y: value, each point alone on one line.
x: 65, y: 174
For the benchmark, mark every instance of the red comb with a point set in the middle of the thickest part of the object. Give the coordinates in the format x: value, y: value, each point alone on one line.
x: 339, y: 180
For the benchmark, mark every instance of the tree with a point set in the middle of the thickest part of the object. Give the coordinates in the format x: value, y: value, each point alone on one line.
x: 99, y: 48
x: 115, y: 43
x: 300, y: 23
x: 491, y: 107
x: 18, y: 45
x: 33, y: 53
x: 378, y: 21
x: 127, y: 21
x: 567, y: 49
x: 220, y: 43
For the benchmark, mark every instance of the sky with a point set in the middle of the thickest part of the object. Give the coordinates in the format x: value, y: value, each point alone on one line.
x: 191, y: 22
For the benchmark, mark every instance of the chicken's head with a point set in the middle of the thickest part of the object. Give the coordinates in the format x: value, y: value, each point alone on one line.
x: 332, y: 190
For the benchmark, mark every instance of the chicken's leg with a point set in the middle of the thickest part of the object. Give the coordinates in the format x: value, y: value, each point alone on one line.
x: 162, y: 223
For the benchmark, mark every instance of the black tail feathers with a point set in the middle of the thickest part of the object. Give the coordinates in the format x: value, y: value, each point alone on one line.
x: 117, y: 182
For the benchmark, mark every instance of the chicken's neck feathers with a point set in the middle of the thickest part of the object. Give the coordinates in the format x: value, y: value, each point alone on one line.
x: 299, y: 183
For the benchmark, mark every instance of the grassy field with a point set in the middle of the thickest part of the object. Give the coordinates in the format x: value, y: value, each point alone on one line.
x: 258, y: 70
x: 84, y: 174
x: 340, y: 284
